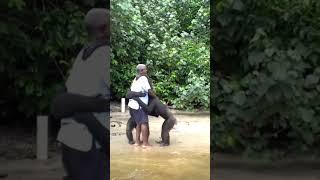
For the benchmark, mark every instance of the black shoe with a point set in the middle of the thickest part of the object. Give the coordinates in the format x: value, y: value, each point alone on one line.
x: 131, y: 142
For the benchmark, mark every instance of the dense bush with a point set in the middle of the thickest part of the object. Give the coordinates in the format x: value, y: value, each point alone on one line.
x: 172, y: 38
x: 39, y: 40
x: 266, y: 84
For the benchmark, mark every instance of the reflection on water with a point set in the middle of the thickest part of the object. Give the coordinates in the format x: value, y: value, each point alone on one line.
x: 187, y: 158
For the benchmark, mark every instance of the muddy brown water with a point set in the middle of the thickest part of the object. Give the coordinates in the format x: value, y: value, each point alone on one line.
x: 188, y: 156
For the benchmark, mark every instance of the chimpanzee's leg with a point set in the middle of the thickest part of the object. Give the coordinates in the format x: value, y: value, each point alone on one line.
x: 166, y: 127
x: 131, y: 124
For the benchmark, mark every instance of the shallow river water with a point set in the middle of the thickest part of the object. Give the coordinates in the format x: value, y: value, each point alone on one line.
x: 188, y: 156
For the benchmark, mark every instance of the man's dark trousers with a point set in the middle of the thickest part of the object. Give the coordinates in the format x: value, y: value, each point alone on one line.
x: 91, y: 165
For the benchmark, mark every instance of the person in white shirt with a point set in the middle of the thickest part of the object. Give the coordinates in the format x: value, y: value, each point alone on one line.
x: 141, y: 84
x: 82, y: 155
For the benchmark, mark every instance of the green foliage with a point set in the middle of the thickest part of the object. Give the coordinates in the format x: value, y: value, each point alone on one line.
x: 172, y: 38
x: 39, y: 40
x: 266, y: 92
x: 194, y: 95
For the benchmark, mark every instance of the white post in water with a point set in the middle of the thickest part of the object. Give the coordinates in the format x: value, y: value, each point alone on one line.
x: 123, y: 105
x: 42, y: 137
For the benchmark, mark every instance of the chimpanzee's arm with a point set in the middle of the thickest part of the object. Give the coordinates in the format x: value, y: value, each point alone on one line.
x: 152, y: 94
x: 142, y: 104
x: 132, y: 94
x: 66, y: 104
x: 98, y: 131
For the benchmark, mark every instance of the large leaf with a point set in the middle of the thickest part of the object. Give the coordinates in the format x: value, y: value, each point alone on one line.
x: 239, y: 98
x: 311, y: 80
x: 237, y: 5
x: 255, y: 58
x: 306, y: 114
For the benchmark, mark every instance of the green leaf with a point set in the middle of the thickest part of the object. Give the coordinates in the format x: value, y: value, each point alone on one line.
x: 255, y: 58
x: 278, y: 70
x: 239, y: 98
x: 230, y: 141
x: 294, y: 55
x: 259, y: 33
x: 224, y: 20
x: 19, y: 4
x: 311, y: 80
x: 237, y: 5
x: 226, y: 86
x: 306, y: 114
x: 270, y: 52
x: 308, y: 137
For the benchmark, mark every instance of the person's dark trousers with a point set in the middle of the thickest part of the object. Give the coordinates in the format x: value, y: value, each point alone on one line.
x: 91, y: 165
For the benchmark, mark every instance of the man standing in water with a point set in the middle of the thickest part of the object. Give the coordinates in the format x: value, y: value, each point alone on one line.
x: 141, y: 84
x: 82, y: 156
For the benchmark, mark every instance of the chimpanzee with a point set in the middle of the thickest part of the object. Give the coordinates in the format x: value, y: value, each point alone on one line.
x: 154, y: 108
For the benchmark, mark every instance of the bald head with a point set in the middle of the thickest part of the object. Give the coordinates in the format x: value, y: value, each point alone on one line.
x: 141, y: 69
x: 97, y: 22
